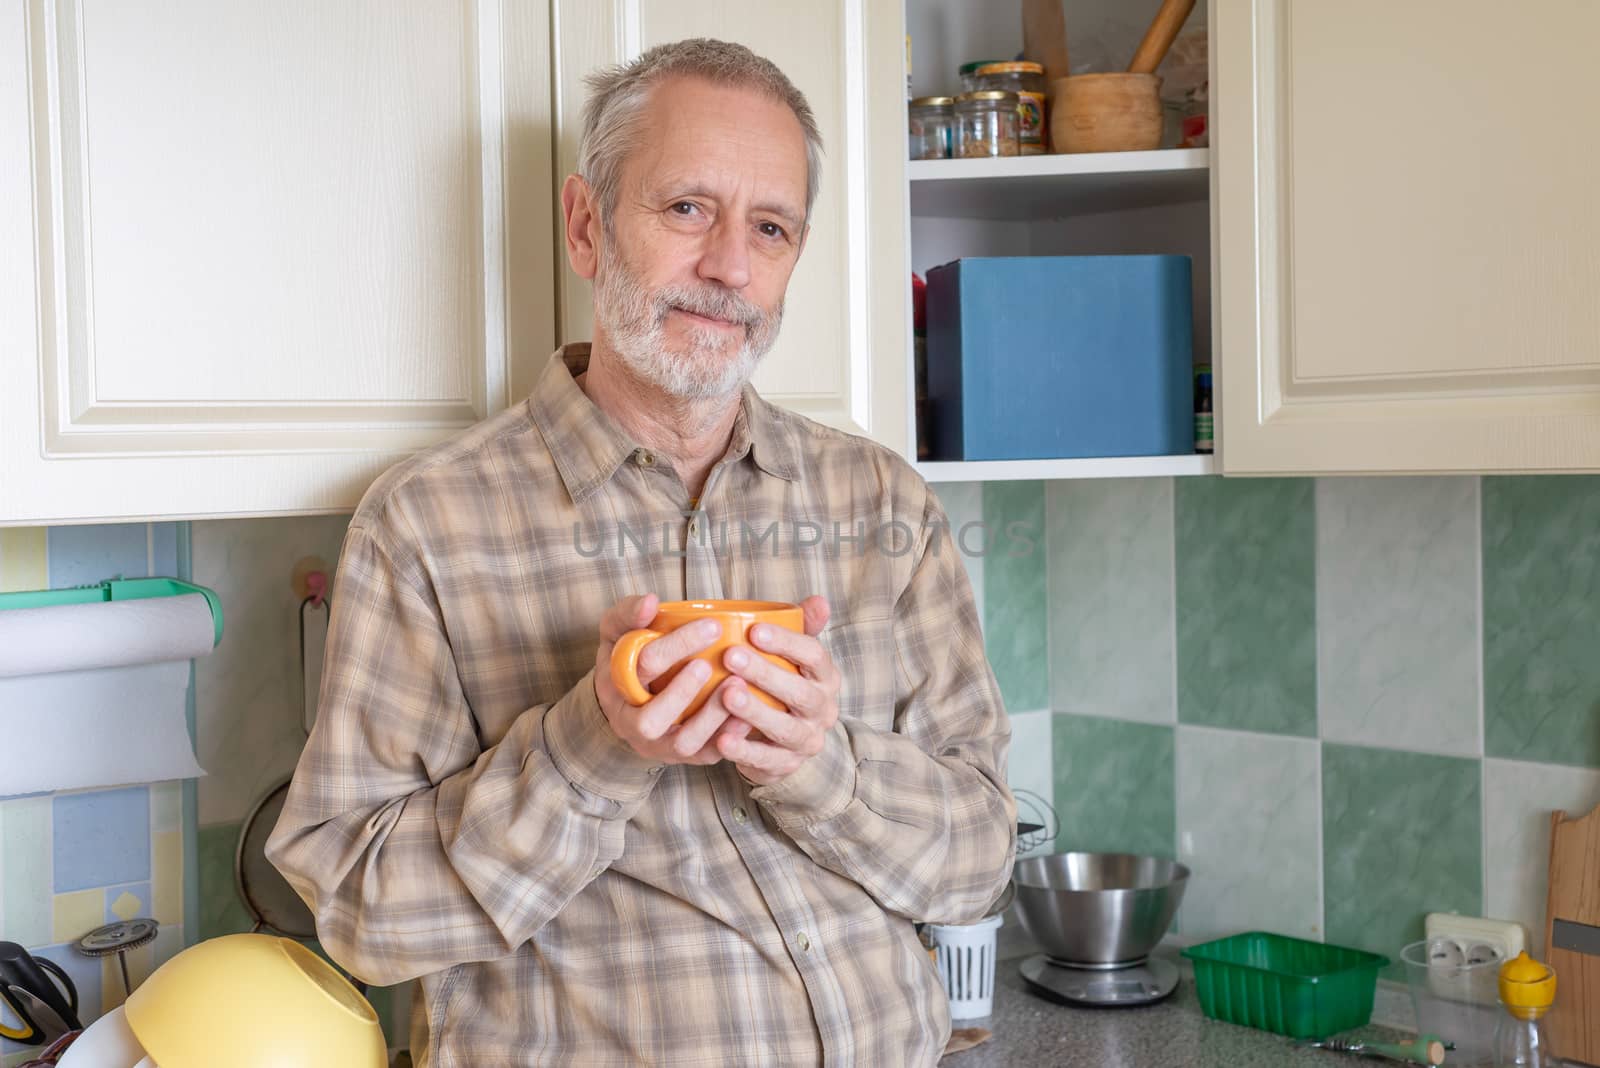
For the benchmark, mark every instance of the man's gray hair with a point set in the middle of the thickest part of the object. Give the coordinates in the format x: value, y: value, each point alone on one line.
x: 614, y: 113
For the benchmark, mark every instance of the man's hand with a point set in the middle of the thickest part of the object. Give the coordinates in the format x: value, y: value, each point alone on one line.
x: 792, y: 737
x: 652, y: 730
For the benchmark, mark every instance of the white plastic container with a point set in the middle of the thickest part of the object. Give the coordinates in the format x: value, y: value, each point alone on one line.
x: 964, y: 956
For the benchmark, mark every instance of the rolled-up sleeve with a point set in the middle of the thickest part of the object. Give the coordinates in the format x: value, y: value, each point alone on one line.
x: 416, y: 847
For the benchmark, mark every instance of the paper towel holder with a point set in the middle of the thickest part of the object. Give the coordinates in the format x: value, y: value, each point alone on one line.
x: 139, y: 589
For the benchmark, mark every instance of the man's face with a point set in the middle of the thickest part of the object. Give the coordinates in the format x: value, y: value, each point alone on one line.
x: 708, y: 224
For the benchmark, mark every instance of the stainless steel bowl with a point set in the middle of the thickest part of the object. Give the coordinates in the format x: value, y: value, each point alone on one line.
x: 1098, y: 910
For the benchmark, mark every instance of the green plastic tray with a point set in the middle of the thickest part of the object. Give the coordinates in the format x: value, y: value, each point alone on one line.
x: 1289, y: 986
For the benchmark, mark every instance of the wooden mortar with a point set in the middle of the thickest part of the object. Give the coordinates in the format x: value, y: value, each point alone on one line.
x: 1106, y: 113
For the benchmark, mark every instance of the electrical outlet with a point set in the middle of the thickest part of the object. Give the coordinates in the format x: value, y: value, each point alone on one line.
x: 1473, y: 936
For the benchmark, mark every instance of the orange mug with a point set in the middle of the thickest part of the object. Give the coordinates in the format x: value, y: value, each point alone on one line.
x: 736, y: 617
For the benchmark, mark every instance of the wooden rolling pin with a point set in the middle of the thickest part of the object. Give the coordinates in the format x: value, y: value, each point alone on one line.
x: 1159, y: 37
x: 1044, y: 37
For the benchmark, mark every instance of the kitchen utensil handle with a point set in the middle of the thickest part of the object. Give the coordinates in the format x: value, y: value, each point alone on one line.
x: 1425, y: 1049
x: 23, y: 1034
x: 47, y: 1021
x: 67, y: 985
x: 1159, y: 37
x: 21, y: 1000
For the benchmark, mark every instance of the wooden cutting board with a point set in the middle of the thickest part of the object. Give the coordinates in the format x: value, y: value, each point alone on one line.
x: 1572, y: 933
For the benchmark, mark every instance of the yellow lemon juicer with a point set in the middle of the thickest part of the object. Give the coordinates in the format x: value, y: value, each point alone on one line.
x: 1527, y: 990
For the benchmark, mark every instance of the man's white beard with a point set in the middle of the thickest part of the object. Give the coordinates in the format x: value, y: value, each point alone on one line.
x: 634, y: 320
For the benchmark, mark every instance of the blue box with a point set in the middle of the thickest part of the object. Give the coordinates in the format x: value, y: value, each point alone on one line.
x: 1045, y: 357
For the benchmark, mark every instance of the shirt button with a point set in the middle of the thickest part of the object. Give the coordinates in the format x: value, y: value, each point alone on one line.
x: 646, y: 458
x: 694, y: 526
x: 740, y: 815
x: 803, y: 940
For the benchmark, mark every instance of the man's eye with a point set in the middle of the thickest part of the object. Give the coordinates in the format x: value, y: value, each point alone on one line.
x: 772, y: 229
x: 684, y: 207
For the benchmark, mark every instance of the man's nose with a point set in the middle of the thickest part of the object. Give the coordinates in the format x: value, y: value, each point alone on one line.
x: 726, y: 255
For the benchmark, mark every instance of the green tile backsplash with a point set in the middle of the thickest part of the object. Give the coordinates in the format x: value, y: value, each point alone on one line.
x: 1401, y: 837
x: 1246, y: 597
x: 1114, y: 786
x: 221, y: 911
x: 1541, y: 616
x: 1381, y: 687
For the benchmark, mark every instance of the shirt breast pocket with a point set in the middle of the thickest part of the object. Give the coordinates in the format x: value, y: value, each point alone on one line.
x: 863, y: 651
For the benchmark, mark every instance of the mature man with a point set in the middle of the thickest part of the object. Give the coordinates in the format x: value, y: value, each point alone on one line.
x: 579, y: 881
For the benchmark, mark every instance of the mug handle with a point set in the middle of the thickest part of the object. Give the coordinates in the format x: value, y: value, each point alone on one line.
x: 625, y: 665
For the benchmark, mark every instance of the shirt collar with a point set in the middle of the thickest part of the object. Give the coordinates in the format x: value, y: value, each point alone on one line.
x: 588, y: 446
x: 762, y: 429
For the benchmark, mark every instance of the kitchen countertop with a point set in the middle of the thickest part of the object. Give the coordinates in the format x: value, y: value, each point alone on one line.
x: 1031, y: 1031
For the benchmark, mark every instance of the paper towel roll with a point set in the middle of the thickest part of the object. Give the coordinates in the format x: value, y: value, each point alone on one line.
x: 77, y: 729
x: 104, y: 634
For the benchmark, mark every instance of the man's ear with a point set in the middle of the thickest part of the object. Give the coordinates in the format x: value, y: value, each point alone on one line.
x: 582, y: 215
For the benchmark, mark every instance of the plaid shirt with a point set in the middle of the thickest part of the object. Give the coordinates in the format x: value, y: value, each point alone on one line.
x: 463, y: 812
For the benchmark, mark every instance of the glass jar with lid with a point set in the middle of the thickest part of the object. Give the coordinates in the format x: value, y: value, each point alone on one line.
x: 986, y: 124
x: 968, y: 73
x: 1027, y: 81
x: 933, y: 127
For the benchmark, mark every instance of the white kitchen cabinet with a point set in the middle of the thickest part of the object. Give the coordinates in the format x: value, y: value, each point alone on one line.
x: 253, y: 253
x: 1408, y: 235
x: 843, y: 356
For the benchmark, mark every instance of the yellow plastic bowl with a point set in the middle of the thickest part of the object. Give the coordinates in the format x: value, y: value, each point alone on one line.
x: 254, y: 1001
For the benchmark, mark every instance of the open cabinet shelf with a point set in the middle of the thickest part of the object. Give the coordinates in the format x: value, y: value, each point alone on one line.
x: 1091, y: 467
x: 1091, y: 204
x: 1057, y: 186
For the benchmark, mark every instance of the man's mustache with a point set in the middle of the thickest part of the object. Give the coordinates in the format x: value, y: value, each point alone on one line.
x: 711, y: 303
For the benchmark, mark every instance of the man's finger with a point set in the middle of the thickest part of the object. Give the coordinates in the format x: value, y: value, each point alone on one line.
x: 630, y: 613
x: 802, y: 695
x: 734, y: 728
x: 800, y: 649
x: 693, y: 733
x: 758, y: 755
x: 783, y: 728
x: 657, y: 717
x: 661, y: 653
x: 817, y: 612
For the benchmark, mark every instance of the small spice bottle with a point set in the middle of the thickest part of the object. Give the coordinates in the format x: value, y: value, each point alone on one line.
x: 1203, y: 425
x: 986, y: 124
x: 1027, y: 81
x: 933, y: 127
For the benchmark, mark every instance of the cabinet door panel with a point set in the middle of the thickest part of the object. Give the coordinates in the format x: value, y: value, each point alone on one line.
x: 841, y: 357
x: 267, y: 246
x: 1407, y: 235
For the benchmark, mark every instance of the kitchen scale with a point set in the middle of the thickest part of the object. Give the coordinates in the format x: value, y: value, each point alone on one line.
x: 1139, y: 983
